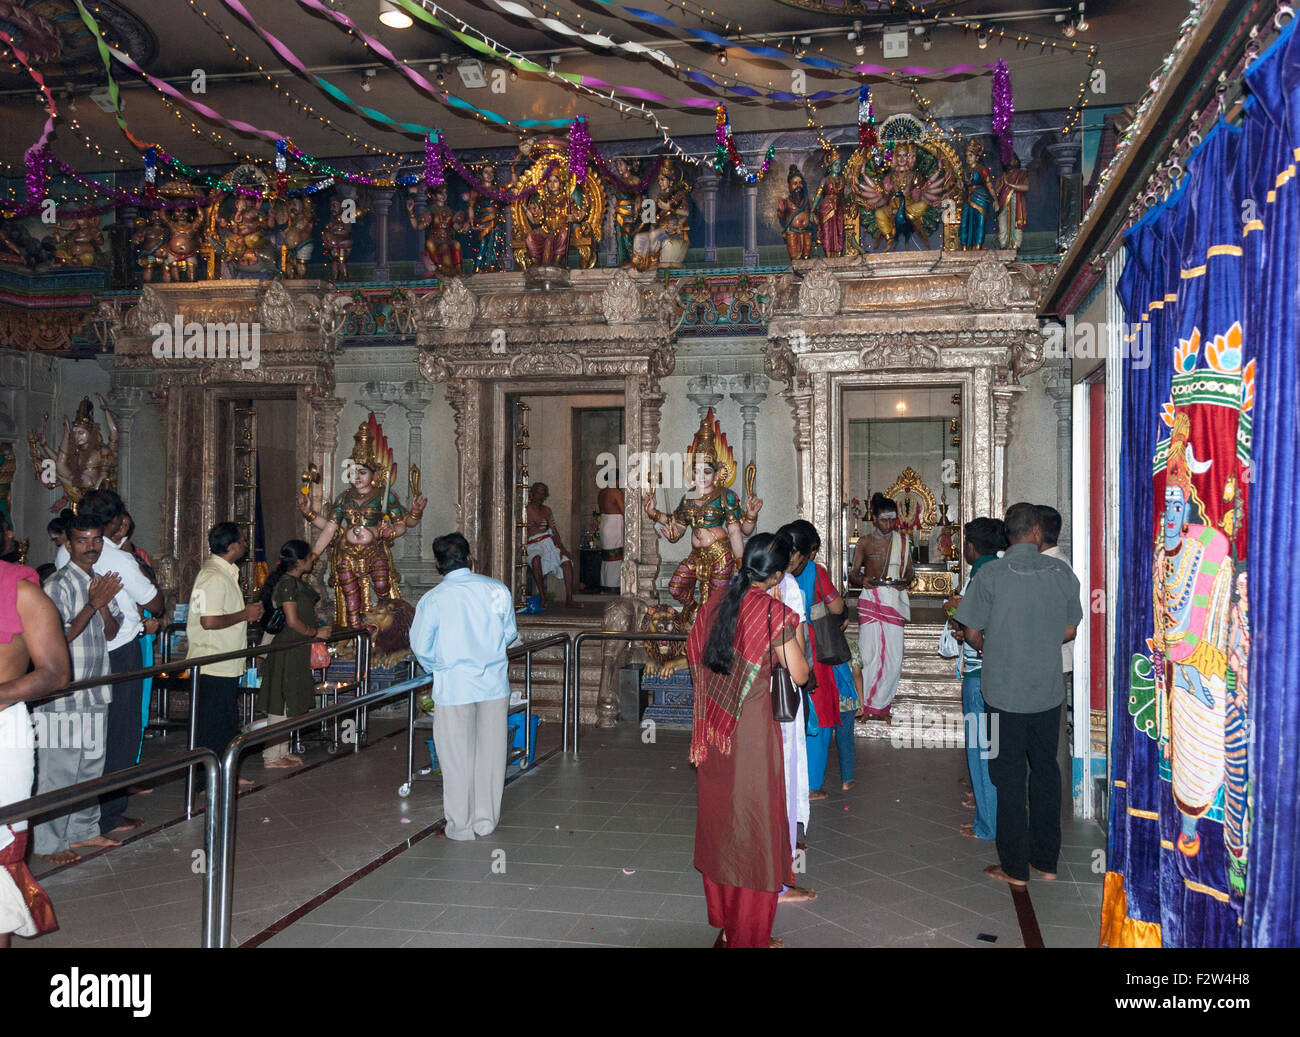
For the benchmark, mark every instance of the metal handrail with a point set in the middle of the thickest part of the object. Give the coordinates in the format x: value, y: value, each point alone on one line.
x: 61, y: 799
x: 166, y: 669
x: 604, y: 635
x: 225, y: 856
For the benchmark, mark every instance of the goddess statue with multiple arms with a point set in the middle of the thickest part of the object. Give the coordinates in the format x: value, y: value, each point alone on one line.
x: 83, y: 461
x: 361, y: 525
x: 714, y: 517
x: 901, y: 201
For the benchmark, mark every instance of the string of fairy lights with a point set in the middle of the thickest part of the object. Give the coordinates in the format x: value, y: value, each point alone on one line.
x: 721, y: 78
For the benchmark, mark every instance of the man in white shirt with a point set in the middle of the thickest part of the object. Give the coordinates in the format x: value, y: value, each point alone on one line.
x: 460, y: 634
x: 138, y: 592
x: 1050, y: 521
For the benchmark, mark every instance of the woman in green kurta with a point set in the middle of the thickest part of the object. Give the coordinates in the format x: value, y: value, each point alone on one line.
x: 288, y: 686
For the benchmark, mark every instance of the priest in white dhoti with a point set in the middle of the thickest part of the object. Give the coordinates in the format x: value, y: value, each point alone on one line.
x: 545, y: 550
x: 610, y: 504
x: 882, y: 567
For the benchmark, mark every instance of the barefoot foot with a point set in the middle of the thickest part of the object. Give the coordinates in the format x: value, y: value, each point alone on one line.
x: 994, y: 871
x: 99, y: 842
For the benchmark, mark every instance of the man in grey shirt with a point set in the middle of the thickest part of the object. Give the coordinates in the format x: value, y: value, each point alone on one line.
x: 1018, y: 613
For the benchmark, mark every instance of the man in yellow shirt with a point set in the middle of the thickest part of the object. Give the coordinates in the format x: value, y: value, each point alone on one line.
x: 218, y: 622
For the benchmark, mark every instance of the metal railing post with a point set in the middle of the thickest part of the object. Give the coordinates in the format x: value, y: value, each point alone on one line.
x: 194, y: 730
x: 577, y: 688
x: 229, y: 782
x: 528, y: 705
x: 212, y: 848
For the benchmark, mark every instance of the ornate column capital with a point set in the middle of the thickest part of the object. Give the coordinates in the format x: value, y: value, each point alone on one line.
x: 704, y: 390
x: 748, y: 390
x: 1004, y: 398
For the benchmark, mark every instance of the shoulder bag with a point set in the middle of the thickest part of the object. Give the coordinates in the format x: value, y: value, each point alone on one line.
x: 831, y: 645
x: 785, y: 695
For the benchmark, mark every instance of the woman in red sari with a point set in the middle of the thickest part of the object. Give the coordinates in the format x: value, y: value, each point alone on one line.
x: 742, y: 836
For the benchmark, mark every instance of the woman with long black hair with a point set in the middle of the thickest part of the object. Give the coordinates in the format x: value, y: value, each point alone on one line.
x: 742, y: 836
x: 288, y: 688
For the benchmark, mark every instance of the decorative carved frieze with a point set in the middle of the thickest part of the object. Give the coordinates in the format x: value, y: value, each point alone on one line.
x: 620, y: 301
x: 989, y: 285
x: 820, y: 292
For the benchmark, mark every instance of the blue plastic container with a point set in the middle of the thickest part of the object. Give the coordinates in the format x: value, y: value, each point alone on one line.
x: 515, y: 723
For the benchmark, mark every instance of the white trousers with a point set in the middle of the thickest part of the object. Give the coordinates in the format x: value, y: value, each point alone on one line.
x: 471, y: 744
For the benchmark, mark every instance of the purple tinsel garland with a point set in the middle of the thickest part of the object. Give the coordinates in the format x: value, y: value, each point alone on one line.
x: 1004, y: 107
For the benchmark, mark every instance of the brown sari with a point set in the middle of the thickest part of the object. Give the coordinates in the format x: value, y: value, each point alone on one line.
x: 742, y: 835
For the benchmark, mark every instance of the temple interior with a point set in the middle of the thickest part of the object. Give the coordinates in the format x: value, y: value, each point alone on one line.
x: 954, y: 256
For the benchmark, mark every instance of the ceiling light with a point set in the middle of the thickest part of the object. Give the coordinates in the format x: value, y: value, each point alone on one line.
x: 393, y: 16
x: 722, y: 56
x: 1083, y: 19
x: 366, y: 77
x: 860, y: 49
x: 926, y: 41
x: 982, y: 39
x: 1068, y: 30
x: 900, y: 406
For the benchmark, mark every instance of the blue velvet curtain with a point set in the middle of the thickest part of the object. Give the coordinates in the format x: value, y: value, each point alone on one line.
x: 1204, y: 811
x: 1272, y: 149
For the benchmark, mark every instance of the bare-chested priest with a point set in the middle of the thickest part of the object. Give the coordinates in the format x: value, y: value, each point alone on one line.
x: 30, y: 632
x: 882, y: 567
x: 546, y: 552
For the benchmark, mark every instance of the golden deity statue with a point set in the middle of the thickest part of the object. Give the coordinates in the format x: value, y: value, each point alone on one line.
x: 359, y: 528
x: 83, y: 462
x: 559, y: 214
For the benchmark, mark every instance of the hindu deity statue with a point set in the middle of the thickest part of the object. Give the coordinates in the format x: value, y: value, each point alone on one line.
x: 903, y: 204
x: 441, y: 255
x: 78, y: 242
x: 665, y: 241
x: 977, y: 210
x: 8, y: 466
x: 548, y: 216
x: 1013, y: 207
x: 359, y: 528
x: 83, y: 462
x: 244, y: 239
x: 1193, y: 585
x: 828, y: 209
x: 626, y: 208
x: 336, y: 236
x: 713, y: 514
x: 149, y: 237
x: 486, y: 219
x: 794, y: 214
x: 180, y: 255
x: 297, y: 218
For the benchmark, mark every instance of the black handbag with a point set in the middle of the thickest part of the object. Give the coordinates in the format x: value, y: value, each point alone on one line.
x: 275, y: 622
x: 831, y: 645
x: 785, y: 694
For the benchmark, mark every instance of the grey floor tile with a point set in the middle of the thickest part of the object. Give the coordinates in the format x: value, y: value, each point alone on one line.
x: 341, y: 911
x: 625, y: 932
x: 304, y: 934
x: 403, y: 915
x: 359, y: 936
x: 627, y: 904
x: 463, y: 919
x: 582, y: 877
x: 538, y: 925
x: 559, y: 898
x: 445, y: 940
x: 678, y: 935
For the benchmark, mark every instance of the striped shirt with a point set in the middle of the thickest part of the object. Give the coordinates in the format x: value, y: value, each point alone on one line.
x: 69, y: 589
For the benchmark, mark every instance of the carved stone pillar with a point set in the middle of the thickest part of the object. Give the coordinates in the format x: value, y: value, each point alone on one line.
x: 125, y: 404
x: 1066, y: 153
x: 465, y: 397
x: 644, y: 403
x: 381, y: 202
x: 1004, y: 397
x: 1057, y: 382
x: 799, y: 395
x: 750, y: 255
x: 508, y: 259
x: 706, y: 196
x: 378, y: 397
x: 325, y: 411
x: 412, y: 405
x: 749, y: 390
x: 702, y: 390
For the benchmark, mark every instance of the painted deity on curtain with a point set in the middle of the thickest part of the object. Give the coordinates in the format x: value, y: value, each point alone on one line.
x: 1190, y: 693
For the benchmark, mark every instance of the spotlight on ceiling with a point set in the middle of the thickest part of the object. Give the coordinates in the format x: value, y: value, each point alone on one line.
x: 1069, y: 30
x: 926, y: 41
x: 393, y: 16
x: 982, y: 39
x: 1082, y: 24
x: 722, y: 56
x: 366, y: 77
x: 551, y: 62
x: 860, y: 48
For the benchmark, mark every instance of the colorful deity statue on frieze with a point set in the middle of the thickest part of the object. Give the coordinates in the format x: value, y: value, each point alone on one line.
x: 358, y: 529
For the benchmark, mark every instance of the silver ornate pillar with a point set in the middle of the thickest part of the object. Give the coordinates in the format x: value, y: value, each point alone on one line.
x: 125, y: 404
x: 1057, y: 382
x: 381, y: 203
x: 749, y: 390
x: 706, y: 196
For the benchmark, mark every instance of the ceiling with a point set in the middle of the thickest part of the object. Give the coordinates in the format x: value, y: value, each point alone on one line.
x: 173, y: 38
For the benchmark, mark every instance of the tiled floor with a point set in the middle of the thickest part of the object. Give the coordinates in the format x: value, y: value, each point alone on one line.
x: 598, y: 851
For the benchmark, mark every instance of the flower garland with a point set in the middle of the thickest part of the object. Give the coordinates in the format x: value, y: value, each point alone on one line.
x: 725, y: 150
x: 1004, y: 107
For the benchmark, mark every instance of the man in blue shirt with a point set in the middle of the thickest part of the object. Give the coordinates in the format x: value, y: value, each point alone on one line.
x: 460, y: 634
